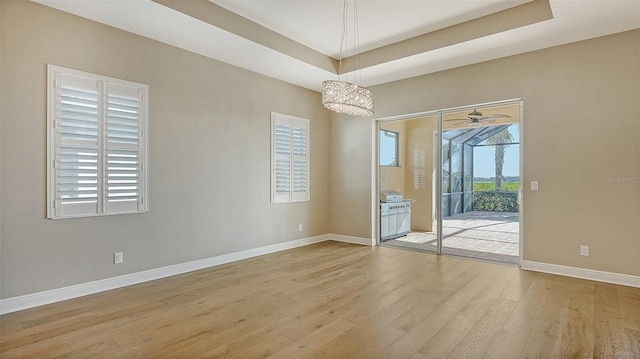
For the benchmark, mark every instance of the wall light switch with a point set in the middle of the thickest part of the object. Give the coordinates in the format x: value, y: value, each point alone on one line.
x: 534, y: 185
x: 118, y: 258
x: 300, y: 227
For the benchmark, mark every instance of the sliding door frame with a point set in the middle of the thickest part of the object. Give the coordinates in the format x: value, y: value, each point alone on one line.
x: 375, y: 183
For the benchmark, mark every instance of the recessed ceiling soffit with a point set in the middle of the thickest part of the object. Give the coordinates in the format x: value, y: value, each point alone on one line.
x: 505, y: 20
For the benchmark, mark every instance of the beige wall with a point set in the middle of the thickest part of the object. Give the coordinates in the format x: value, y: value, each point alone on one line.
x: 581, y: 129
x: 392, y: 177
x: 1, y: 97
x: 420, y: 171
x: 350, y: 173
x: 209, y: 156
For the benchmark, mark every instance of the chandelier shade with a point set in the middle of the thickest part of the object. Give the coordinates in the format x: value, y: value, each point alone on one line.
x: 345, y: 97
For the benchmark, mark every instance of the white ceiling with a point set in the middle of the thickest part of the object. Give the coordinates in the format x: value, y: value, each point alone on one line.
x: 316, y: 24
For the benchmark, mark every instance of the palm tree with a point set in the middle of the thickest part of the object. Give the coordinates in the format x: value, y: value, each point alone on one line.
x: 498, y: 141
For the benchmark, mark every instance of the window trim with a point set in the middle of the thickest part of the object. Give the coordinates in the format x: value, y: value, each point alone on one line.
x: 52, y: 142
x: 292, y: 198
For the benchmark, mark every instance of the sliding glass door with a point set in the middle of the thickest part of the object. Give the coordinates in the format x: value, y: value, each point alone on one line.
x: 429, y: 178
x: 480, y: 183
x: 407, y: 182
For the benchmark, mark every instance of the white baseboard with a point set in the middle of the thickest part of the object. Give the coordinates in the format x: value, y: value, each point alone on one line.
x: 14, y: 304
x: 352, y: 239
x: 599, y: 276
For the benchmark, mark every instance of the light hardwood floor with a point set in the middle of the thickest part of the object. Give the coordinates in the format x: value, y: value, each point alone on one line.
x: 336, y: 300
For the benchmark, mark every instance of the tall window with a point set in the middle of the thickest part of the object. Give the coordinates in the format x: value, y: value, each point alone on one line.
x: 389, y: 148
x: 97, y: 150
x: 289, y: 159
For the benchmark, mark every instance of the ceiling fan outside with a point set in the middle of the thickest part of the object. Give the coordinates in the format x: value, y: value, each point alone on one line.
x: 476, y: 118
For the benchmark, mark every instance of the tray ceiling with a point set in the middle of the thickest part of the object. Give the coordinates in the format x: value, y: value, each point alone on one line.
x: 298, y: 41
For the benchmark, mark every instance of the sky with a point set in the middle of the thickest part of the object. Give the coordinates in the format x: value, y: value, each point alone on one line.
x: 484, y: 158
x: 484, y: 161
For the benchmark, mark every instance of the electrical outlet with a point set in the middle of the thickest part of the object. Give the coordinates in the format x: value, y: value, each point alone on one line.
x: 300, y: 227
x: 584, y: 251
x: 534, y: 185
x: 118, y: 258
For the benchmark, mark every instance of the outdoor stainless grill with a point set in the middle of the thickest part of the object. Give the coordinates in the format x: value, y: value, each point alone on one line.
x: 395, y: 215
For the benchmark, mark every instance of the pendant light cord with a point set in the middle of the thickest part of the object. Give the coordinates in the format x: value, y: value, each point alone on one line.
x: 343, y: 36
x: 357, y: 77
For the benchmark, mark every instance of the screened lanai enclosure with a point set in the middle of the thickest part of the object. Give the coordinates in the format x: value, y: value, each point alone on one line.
x: 458, y: 148
x: 479, y: 187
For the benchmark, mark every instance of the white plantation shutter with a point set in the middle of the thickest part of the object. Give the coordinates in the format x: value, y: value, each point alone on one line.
x: 289, y: 159
x: 282, y: 161
x: 96, y: 145
x: 76, y: 153
x: 299, y: 161
x: 123, y: 151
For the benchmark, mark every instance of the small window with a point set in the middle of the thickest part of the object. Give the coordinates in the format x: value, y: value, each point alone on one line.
x: 389, y: 148
x: 97, y: 150
x: 289, y: 159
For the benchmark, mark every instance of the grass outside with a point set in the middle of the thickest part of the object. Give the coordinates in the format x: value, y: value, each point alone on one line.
x: 491, y: 186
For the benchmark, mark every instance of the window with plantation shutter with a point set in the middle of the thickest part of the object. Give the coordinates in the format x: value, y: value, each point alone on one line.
x: 289, y: 159
x: 96, y: 145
